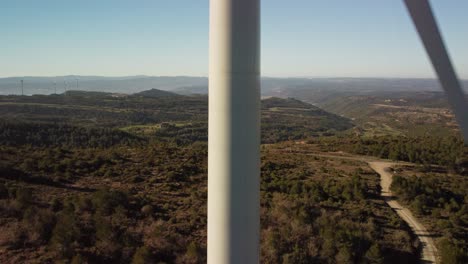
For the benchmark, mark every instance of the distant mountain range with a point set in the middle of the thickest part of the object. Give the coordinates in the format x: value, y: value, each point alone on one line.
x: 128, y: 85
x: 280, y: 87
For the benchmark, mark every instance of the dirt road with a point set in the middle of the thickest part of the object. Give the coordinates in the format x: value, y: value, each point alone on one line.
x: 429, y: 251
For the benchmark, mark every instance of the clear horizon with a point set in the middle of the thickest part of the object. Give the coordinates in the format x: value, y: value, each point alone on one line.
x: 194, y: 76
x: 307, y: 39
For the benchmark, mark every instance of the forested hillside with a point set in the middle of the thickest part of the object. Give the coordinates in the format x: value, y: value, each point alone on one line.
x: 148, y: 115
x: 113, y: 178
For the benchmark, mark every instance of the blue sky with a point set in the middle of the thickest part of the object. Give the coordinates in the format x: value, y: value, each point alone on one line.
x: 311, y: 38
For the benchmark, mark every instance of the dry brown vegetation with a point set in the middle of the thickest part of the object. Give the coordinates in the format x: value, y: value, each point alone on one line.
x: 85, y: 182
x: 152, y: 206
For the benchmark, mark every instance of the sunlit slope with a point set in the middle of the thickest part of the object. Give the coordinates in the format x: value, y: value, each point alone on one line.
x: 419, y: 114
x: 163, y: 115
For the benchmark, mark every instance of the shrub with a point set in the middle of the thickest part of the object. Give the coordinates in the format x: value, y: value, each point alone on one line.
x: 344, y: 256
x: 3, y: 191
x: 193, y: 252
x: 452, y: 253
x: 24, y: 196
x: 39, y: 224
x: 78, y: 259
x: 106, y: 200
x: 85, y: 204
x: 56, y: 205
x: 66, y: 232
x: 142, y: 256
x: 108, y: 242
x: 374, y: 254
x: 147, y: 210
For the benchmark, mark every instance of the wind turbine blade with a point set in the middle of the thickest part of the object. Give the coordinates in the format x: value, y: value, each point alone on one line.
x: 426, y: 25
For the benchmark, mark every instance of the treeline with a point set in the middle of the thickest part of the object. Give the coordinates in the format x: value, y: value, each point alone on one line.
x: 282, y: 119
x: 95, y: 115
x: 53, y: 135
x: 430, y: 195
x: 108, y: 101
x: 104, y: 110
x: 291, y: 119
x: 449, y: 152
x: 183, y: 134
x: 272, y: 130
x: 444, y: 151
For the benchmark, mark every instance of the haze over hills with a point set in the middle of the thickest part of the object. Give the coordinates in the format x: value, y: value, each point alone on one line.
x: 280, y: 87
x: 129, y: 85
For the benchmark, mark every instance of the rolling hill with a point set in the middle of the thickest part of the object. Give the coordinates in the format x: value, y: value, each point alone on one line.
x: 156, y: 93
x: 162, y: 114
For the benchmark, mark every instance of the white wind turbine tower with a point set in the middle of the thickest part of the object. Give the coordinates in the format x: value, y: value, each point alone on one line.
x: 234, y: 132
x: 234, y: 121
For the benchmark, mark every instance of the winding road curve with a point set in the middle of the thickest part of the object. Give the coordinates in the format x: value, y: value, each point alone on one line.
x: 429, y: 251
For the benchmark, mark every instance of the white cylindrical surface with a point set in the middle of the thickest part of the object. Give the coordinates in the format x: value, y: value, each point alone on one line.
x: 234, y: 132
